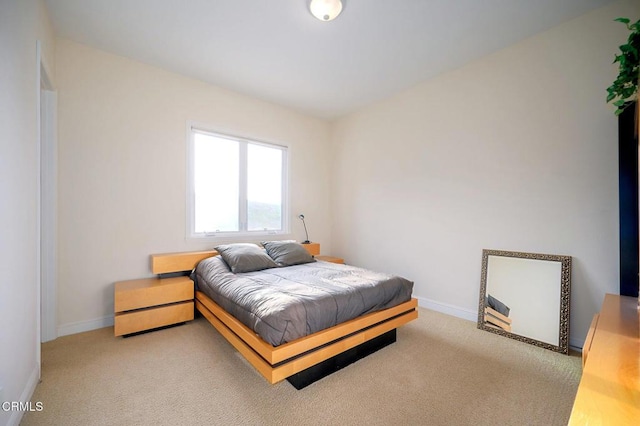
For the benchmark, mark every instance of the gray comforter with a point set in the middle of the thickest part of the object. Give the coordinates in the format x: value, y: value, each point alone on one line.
x: 284, y: 304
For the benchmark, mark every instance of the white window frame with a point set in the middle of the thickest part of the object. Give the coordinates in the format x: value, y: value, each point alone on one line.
x: 243, y: 233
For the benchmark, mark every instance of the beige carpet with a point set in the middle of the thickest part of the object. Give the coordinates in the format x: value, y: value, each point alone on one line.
x: 441, y: 371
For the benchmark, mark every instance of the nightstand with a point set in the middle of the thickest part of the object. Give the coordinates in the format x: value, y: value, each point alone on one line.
x: 312, y: 248
x: 150, y: 303
x: 330, y: 259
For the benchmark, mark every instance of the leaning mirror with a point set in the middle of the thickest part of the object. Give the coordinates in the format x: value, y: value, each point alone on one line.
x: 525, y: 296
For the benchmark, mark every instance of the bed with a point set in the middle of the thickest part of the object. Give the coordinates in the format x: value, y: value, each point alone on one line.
x: 317, y: 347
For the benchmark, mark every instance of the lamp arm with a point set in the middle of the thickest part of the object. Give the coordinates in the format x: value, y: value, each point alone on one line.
x: 301, y: 217
x: 306, y: 233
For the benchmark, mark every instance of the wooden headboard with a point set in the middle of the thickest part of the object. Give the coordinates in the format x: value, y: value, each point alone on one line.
x: 168, y: 263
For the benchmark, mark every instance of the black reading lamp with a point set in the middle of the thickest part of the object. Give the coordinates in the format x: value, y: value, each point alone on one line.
x: 301, y: 217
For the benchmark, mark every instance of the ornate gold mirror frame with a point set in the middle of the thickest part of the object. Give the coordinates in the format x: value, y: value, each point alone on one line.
x: 525, y: 296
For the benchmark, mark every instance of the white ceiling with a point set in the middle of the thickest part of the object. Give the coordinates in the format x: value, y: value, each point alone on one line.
x: 277, y: 51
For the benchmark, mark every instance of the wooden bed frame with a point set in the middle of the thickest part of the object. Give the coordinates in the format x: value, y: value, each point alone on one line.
x: 284, y: 361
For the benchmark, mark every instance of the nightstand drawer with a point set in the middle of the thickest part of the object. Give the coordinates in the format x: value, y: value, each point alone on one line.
x: 146, y: 319
x: 136, y: 294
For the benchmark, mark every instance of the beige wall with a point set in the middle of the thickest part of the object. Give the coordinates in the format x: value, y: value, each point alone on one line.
x: 122, y: 177
x: 515, y: 151
x: 21, y: 24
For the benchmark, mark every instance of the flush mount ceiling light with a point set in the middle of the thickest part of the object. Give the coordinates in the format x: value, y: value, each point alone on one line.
x: 325, y: 10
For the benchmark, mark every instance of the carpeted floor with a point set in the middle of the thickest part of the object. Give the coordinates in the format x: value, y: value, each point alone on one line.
x: 441, y: 371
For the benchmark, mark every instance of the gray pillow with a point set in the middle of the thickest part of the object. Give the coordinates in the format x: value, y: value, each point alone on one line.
x: 245, y: 257
x: 287, y: 253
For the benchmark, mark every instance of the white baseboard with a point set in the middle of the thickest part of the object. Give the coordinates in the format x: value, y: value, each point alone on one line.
x: 27, y: 393
x: 81, y: 326
x: 469, y: 315
x: 423, y: 302
x: 576, y: 344
x: 445, y: 308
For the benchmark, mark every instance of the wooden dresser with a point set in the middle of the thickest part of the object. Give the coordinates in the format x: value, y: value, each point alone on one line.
x: 609, y: 391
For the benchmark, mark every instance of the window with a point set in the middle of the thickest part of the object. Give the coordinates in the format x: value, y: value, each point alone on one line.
x: 237, y: 186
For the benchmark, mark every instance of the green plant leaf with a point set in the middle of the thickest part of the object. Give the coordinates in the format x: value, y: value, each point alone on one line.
x: 625, y: 87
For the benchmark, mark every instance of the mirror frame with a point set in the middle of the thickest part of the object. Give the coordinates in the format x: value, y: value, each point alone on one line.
x: 565, y: 293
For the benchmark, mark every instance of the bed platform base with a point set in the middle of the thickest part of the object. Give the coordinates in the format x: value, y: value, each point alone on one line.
x: 277, y: 363
x: 313, y: 374
x: 304, y: 360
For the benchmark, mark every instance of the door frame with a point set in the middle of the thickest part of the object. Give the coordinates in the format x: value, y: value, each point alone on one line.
x: 46, y: 261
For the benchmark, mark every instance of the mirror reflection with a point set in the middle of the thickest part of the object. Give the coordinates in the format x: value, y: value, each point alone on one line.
x: 525, y: 296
